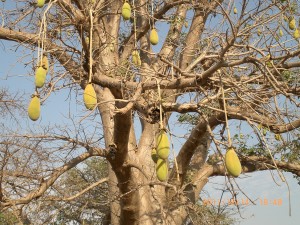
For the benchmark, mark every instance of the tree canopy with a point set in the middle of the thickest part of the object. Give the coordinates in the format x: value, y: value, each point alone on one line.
x: 207, y: 88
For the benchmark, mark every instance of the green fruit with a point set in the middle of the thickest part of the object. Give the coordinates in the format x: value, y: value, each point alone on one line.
x: 232, y: 163
x: 89, y: 97
x: 161, y: 170
x: 126, y: 11
x: 154, y: 155
x: 292, y: 24
x: 163, y: 145
x: 154, y: 37
x: 136, y: 60
x: 235, y: 10
x: 280, y: 33
x: 296, y: 34
x: 34, y: 108
x: 40, y: 3
x: 40, y: 77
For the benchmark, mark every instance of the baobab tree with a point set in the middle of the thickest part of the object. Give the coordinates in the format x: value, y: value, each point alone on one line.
x: 212, y: 62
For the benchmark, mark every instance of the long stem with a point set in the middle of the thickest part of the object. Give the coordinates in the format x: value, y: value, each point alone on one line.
x: 91, y: 46
x: 225, y: 110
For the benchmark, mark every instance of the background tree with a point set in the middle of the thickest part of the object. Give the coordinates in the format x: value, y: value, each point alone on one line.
x: 215, y: 61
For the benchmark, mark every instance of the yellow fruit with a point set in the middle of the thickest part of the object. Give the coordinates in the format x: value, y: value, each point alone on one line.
x: 232, y: 163
x: 235, y: 10
x: 40, y: 77
x: 292, y: 24
x: 154, y: 37
x: 278, y: 137
x: 87, y: 40
x: 136, y: 60
x: 163, y: 145
x: 161, y: 170
x: 280, y: 33
x: 34, y: 108
x: 296, y: 34
x: 40, y: 3
x: 154, y: 155
x: 126, y: 11
x: 258, y: 32
x: 89, y: 97
x: 45, y: 63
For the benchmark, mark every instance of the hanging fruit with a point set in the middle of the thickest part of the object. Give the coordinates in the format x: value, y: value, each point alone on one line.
x: 235, y: 10
x: 163, y: 145
x: 89, y: 97
x: 278, y: 137
x: 154, y: 39
x: 258, y: 32
x: 292, y: 23
x: 136, y: 60
x: 280, y: 33
x: 162, y: 170
x: 40, y: 3
x: 40, y: 77
x: 296, y: 34
x: 45, y: 63
x: 126, y: 11
x: 232, y: 163
x: 34, y: 108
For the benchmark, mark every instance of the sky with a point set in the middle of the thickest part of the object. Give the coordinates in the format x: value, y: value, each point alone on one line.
x: 259, y: 186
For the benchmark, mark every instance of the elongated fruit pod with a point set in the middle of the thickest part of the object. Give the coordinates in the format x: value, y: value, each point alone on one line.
x: 154, y: 155
x: 232, y: 163
x: 162, y: 170
x: 126, y: 11
x: 292, y: 23
x: 235, y: 10
x: 34, y: 108
x: 136, y: 60
x: 40, y: 3
x: 89, y: 97
x: 163, y: 145
x: 40, y: 77
x: 45, y: 63
x: 154, y: 39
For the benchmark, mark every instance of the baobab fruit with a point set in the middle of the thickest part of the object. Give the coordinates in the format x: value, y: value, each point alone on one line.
x: 40, y: 77
x: 280, y: 33
x: 126, y: 11
x: 163, y: 145
x: 136, y: 60
x: 161, y: 170
x: 154, y: 37
x: 232, y: 163
x: 292, y: 23
x: 296, y: 34
x: 40, y: 3
x: 89, y: 97
x: 258, y: 32
x: 154, y: 155
x: 278, y: 137
x: 45, y: 63
x: 34, y: 108
x: 235, y: 10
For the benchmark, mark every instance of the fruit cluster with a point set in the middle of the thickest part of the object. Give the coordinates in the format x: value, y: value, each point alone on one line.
x: 34, y: 108
x: 160, y: 155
